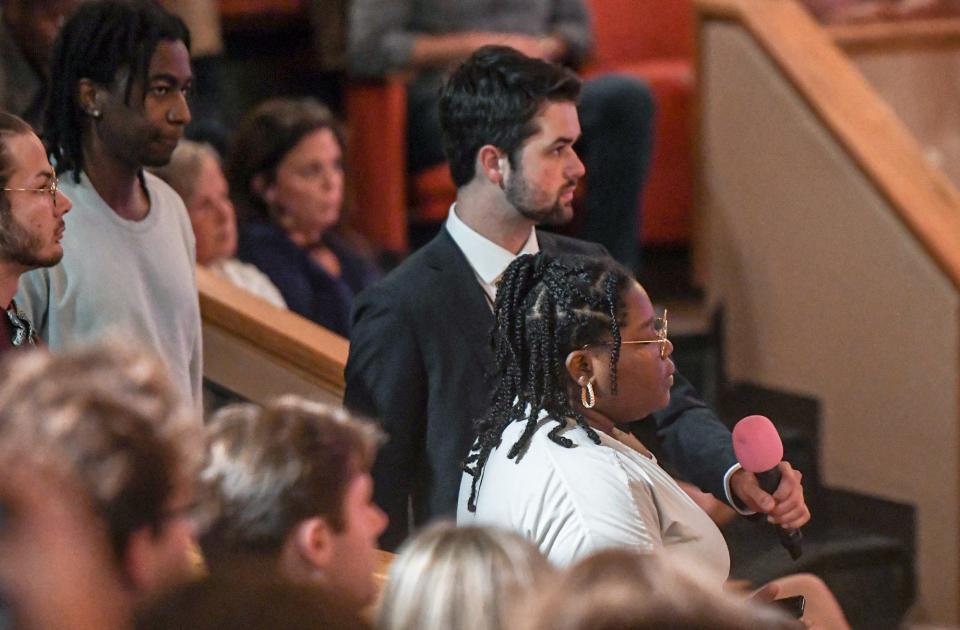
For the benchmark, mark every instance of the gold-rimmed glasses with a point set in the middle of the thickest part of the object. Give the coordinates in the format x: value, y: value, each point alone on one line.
x: 50, y: 190
x: 660, y: 326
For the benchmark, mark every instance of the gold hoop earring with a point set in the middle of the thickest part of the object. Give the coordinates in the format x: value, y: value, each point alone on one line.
x: 587, y: 396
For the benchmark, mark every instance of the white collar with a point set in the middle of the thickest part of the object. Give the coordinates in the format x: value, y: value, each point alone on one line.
x: 488, y: 259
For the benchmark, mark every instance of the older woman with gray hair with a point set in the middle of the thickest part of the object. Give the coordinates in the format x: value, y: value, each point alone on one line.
x: 194, y: 172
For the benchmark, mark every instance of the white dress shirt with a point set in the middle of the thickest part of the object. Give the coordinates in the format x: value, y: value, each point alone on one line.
x: 487, y: 259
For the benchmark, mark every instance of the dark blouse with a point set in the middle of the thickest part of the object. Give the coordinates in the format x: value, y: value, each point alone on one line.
x: 305, y: 285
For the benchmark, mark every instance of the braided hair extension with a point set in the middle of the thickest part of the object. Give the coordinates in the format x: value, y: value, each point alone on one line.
x: 98, y: 42
x: 547, y: 306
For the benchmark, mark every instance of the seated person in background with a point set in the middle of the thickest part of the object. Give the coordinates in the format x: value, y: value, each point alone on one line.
x: 194, y: 172
x: 291, y: 486
x: 468, y: 577
x: 28, y: 29
x: 285, y: 169
x: 31, y: 221
x: 109, y: 418
x: 620, y: 588
x: 424, y: 38
x: 579, y: 350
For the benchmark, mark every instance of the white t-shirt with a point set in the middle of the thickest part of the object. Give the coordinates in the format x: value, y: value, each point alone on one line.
x: 134, y: 277
x: 573, y: 501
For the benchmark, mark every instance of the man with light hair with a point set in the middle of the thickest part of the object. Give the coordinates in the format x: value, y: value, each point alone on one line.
x: 108, y: 417
x: 292, y: 485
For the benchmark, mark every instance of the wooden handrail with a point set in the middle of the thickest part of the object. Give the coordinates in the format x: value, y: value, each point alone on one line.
x: 888, y: 35
x: 255, y: 340
x: 864, y: 126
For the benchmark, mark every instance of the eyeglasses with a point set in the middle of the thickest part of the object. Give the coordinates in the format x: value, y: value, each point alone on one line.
x: 659, y: 326
x: 51, y: 190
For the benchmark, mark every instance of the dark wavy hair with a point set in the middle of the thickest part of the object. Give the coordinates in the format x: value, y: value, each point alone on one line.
x: 546, y: 307
x: 100, y: 40
x: 492, y: 98
x: 265, y: 136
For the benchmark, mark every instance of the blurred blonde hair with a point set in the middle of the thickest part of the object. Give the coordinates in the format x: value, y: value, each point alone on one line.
x: 622, y: 589
x: 466, y: 578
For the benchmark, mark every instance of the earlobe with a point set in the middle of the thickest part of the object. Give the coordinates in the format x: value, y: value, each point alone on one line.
x: 90, y: 98
x: 579, y: 367
x: 314, y: 542
x: 580, y: 370
x: 492, y: 164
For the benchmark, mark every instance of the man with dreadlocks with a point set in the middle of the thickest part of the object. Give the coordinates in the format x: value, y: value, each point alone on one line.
x: 420, y: 358
x: 120, y: 75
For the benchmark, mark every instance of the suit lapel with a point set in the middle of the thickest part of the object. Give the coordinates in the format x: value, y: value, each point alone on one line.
x: 461, y: 298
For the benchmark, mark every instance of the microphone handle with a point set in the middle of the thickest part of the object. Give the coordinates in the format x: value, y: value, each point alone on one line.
x: 790, y: 538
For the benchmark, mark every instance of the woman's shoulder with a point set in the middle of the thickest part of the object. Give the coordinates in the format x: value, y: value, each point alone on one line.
x: 264, y: 244
x: 359, y: 267
x: 261, y: 230
x: 563, y: 443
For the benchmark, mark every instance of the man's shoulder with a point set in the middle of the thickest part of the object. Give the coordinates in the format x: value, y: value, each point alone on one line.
x: 413, y: 280
x: 559, y: 244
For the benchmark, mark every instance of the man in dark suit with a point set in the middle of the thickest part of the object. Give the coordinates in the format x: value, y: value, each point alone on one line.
x: 420, y: 359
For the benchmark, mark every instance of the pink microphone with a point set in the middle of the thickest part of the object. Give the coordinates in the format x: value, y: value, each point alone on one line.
x: 759, y: 450
x: 757, y: 444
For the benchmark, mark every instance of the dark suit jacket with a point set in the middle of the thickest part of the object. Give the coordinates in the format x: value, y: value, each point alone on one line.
x: 421, y: 363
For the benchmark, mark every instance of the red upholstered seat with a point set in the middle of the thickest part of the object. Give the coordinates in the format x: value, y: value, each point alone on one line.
x: 654, y: 41
x: 384, y: 198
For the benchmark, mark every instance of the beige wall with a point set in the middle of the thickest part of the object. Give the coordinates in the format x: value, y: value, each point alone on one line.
x: 922, y: 85
x: 827, y: 294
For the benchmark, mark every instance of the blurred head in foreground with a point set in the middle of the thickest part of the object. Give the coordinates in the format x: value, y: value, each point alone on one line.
x: 291, y: 484
x: 108, y: 417
x: 251, y: 600
x: 467, y: 578
x: 619, y: 589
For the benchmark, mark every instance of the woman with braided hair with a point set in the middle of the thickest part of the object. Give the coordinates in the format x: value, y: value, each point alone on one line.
x: 578, y: 350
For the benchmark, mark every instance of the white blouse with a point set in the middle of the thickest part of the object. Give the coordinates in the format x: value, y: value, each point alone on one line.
x: 247, y: 276
x: 573, y: 501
